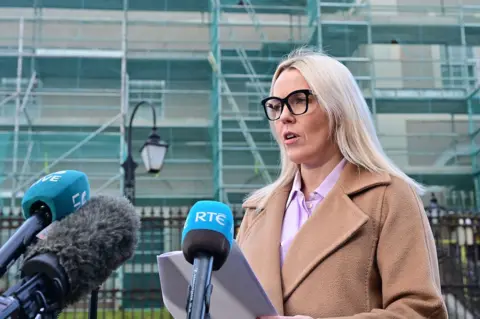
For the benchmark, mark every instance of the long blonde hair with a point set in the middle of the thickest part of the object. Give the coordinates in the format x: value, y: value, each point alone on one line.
x: 350, y: 120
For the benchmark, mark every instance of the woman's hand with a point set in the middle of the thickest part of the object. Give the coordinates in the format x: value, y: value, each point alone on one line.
x: 284, y: 317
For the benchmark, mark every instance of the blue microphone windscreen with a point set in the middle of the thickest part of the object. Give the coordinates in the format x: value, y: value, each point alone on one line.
x: 63, y: 192
x: 210, y: 215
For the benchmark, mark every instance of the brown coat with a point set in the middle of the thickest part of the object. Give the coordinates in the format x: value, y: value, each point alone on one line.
x: 367, y: 251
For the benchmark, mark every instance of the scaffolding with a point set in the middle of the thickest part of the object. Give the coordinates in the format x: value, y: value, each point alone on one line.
x: 70, y: 94
x: 76, y: 76
x: 415, y: 65
x: 68, y: 82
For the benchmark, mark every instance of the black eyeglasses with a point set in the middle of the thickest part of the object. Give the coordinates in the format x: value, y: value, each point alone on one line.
x: 296, y: 102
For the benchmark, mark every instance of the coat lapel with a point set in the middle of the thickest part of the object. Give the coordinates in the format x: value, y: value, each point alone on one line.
x: 267, y: 265
x: 332, y: 223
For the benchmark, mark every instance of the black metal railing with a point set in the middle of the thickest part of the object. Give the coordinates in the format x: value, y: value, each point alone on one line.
x: 134, y: 290
x: 457, y: 237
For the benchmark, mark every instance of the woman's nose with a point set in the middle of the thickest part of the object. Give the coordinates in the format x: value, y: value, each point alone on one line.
x: 286, y: 116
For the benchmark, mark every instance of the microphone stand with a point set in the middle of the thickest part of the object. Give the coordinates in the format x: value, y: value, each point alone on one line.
x: 200, y: 288
x: 27, y: 299
x: 92, y: 307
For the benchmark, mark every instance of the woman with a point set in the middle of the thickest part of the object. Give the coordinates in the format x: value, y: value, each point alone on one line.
x: 342, y: 231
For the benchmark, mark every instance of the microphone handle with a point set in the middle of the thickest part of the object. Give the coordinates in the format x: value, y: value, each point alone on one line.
x: 200, y: 288
x: 17, y: 244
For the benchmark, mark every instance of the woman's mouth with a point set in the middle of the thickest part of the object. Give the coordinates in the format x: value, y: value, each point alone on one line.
x: 290, y: 138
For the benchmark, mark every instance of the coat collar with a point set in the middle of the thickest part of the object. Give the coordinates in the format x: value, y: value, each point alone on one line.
x: 332, y: 223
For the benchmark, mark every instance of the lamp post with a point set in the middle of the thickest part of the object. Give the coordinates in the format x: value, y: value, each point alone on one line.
x: 153, y: 154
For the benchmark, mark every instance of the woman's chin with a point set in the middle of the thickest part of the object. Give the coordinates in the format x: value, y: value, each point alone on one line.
x: 296, y: 157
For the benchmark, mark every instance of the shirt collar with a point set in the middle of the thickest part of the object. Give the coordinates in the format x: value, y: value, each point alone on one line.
x: 324, y: 188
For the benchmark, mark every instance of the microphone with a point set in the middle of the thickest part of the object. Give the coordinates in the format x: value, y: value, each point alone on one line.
x: 79, y: 253
x: 51, y: 198
x: 206, y: 242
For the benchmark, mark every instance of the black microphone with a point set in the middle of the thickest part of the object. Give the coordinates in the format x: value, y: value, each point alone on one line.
x: 78, y: 255
x: 206, y: 242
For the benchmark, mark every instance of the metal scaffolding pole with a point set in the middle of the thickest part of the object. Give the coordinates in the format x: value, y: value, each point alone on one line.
x: 123, y: 93
x: 8, y: 99
x: 473, y: 151
x: 124, y: 103
x: 37, y: 30
x: 16, y: 129
x: 23, y: 109
x: 471, y: 112
x: 26, y: 161
x: 373, y: 85
x: 224, y: 88
x: 216, y: 104
x: 319, y: 25
x: 463, y: 41
x: 28, y: 91
x: 109, y: 182
x: 473, y: 145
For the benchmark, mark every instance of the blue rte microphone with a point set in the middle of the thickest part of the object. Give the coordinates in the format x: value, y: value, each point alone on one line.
x: 207, y: 238
x: 62, y: 192
x: 49, y: 199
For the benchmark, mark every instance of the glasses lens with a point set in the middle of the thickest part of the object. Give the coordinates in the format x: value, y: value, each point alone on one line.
x: 273, y: 108
x: 298, y: 102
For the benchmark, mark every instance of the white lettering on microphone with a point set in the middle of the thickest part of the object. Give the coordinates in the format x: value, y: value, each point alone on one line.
x: 219, y: 218
x: 81, y: 201
x: 54, y: 177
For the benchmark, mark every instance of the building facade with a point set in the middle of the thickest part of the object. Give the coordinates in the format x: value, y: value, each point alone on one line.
x: 71, y: 71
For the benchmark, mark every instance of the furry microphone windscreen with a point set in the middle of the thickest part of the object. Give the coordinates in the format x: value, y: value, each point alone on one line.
x: 91, y: 243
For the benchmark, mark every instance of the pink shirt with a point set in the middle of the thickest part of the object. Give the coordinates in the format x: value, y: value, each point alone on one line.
x: 298, y: 210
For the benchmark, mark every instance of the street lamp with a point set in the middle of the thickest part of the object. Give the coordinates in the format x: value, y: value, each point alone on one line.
x: 153, y: 154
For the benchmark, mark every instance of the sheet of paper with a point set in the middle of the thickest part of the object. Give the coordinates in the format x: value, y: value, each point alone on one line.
x: 237, y: 294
